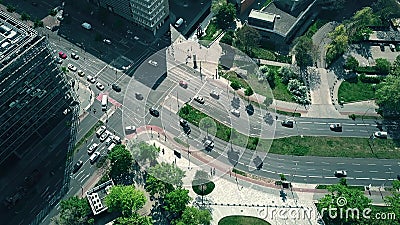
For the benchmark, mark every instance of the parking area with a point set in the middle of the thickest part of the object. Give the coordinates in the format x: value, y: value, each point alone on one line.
x: 366, y: 54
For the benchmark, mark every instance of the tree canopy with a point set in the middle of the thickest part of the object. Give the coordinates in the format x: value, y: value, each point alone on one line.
x: 235, y: 85
x: 249, y: 91
x: 168, y: 173
x: 248, y: 38
x: 125, y: 199
x: 120, y: 159
x: 382, y: 66
x: 351, y: 63
x: 135, y: 219
x: 143, y: 152
x: 154, y: 186
x: 225, y: 14
x: 176, y: 201
x: 387, y: 96
x: 303, y: 51
x: 194, y: 216
x: 74, y: 210
x: 387, y: 9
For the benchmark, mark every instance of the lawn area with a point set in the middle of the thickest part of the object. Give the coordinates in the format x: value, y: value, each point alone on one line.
x: 242, y: 220
x: 359, y: 91
x: 337, y: 147
x: 262, y: 53
x: 279, y: 89
x: 266, y: 3
x: 325, y: 186
x: 211, y: 32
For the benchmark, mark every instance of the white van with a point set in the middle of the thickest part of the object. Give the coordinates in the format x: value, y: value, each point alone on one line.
x: 87, y: 26
x: 104, y: 102
x: 179, y: 22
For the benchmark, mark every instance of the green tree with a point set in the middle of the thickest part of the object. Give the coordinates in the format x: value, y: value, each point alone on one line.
x: 339, y: 44
x: 176, y: 201
x: 248, y: 92
x: 135, y: 219
x: 387, y: 9
x: 74, y: 210
x: 10, y: 8
x: 209, y: 125
x: 143, y: 152
x: 125, y: 199
x: 343, y: 198
x: 194, y: 216
x: 52, y: 12
x: 228, y: 37
x: 387, y: 96
x: 154, y: 186
x: 225, y: 15
x: 351, y: 63
x: 287, y: 74
x: 393, y: 201
x: 37, y: 23
x: 235, y: 85
x: 120, y: 159
x: 303, y: 51
x: 382, y: 66
x: 168, y: 173
x: 64, y: 69
x: 357, y: 27
x: 248, y: 38
x: 268, y: 101
x: 25, y: 16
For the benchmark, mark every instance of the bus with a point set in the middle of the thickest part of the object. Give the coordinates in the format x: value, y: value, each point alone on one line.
x: 104, y: 102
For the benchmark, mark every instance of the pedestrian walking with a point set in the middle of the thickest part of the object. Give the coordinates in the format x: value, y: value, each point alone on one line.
x: 214, y: 171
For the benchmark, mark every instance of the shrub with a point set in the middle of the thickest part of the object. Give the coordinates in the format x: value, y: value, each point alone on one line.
x: 368, y: 79
x: 351, y: 63
x: 382, y: 66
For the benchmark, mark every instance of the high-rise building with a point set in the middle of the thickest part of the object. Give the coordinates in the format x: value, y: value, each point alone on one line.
x: 149, y: 14
x: 38, y: 119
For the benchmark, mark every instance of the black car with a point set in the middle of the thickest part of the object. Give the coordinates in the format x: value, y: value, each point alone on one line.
x: 398, y: 177
x: 116, y: 87
x: 287, y: 123
x: 183, y: 123
x: 77, y: 166
x: 187, y: 130
x: 154, y: 112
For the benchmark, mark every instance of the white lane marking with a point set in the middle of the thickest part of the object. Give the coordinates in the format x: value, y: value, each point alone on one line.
x: 310, y: 162
x: 299, y: 176
x: 320, y: 123
x: 280, y: 159
x: 280, y: 166
x: 295, y: 161
x: 350, y: 130
x: 373, y: 171
x: 351, y: 124
x: 305, y: 128
x: 305, y: 122
x: 387, y: 165
x: 355, y: 164
x: 358, y: 171
x: 321, y: 129
x: 315, y: 176
x: 329, y: 177
x: 340, y: 163
x: 325, y: 163
x: 311, y: 169
x: 371, y: 164
x: 362, y: 178
x: 378, y: 179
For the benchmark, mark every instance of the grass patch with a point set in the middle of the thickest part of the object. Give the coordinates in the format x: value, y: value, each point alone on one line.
x: 366, y: 117
x: 315, y: 27
x: 262, y: 53
x: 179, y: 141
x: 355, y: 91
x: 325, y: 186
x: 266, y: 3
x: 238, y: 172
x: 212, y: 32
x: 292, y: 114
x: 87, y: 135
x: 337, y: 147
x: 103, y: 179
x: 242, y: 220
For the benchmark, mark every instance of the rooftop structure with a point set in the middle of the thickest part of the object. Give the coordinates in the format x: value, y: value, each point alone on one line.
x: 34, y: 138
x: 149, y: 14
x: 96, y: 196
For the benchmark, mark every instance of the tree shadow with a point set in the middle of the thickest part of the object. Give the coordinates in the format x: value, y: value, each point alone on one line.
x: 235, y: 103
x: 268, y: 118
x: 314, y: 78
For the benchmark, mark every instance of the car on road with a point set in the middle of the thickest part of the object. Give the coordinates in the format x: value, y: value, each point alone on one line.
x: 116, y: 88
x: 398, y: 176
x: 81, y: 73
x: 392, y: 47
x: 382, y: 47
x: 107, y: 41
x: 91, y: 79
x: 258, y: 162
x: 153, y: 63
x: 100, y: 86
x: 199, y: 99
x: 139, y: 96
x: 235, y: 112
x: 62, y: 55
x: 77, y: 166
x: 183, y: 123
x: 104, y: 136
x: 58, y: 60
x: 381, y: 134
x: 214, y: 94
x: 287, y: 123
x: 92, y: 148
x: 136, y: 38
x: 94, y: 157
x: 336, y: 127
x: 340, y: 173
x: 154, y: 112
x: 117, y: 139
x: 209, y: 144
x: 130, y: 129
x: 108, y: 141
x: 72, y: 68
x: 183, y: 84
x: 74, y: 56
x: 100, y: 131
x: 187, y: 130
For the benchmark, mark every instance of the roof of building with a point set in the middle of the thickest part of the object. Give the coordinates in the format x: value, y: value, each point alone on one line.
x: 96, y: 196
x: 284, y: 20
x: 266, y: 16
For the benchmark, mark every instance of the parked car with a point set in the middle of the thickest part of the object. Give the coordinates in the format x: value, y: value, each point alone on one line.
x: 110, y: 147
x: 72, y: 68
x: 77, y: 166
x: 183, y: 84
x: 117, y: 139
x: 199, y: 99
x: 287, y: 123
x: 94, y: 157
x: 81, y: 73
x: 381, y: 134
x: 104, y: 136
x: 130, y: 129
x: 382, y: 47
x: 116, y: 88
x: 91, y: 79
x: 62, y: 55
x: 58, y: 60
x: 92, y: 148
x: 74, y: 56
x: 153, y: 63
x: 107, y: 41
x: 154, y: 112
x: 187, y: 130
x: 336, y: 127
x: 100, y: 86
x: 340, y: 173
x: 100, y: 131
x: 392, y: 47
x: 108, y: 141
x: 183, y: 123
x: 214, y: 94
x: 209, y: 144
x: 235, y: 112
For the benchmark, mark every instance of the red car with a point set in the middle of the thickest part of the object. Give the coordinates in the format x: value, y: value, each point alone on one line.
x: 183, y: 84
x: 62, y: 55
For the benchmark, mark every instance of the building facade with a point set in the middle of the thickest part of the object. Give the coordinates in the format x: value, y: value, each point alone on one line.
x: 38, y: 120
x: 150, y: 14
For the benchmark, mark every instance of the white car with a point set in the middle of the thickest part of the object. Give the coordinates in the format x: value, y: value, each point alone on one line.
x: 74, y: 56
x: 94, y: 157
x: 235, y: 112
x: 214, y: 94
x: 81, y: 73
x: 100, y: 131
x: 340, y: 173
x: 91, y: 79
x: 72, y: 67
x: 136, y: 38
x: 104, y: 136
x: 108, y: 141
x: 130, y: 129
x: 117, y: 139
x: 100, y: 86
x: 107, y: 41
x: 153, y: 63
x: 381, y: 134
x: 92, y: 148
